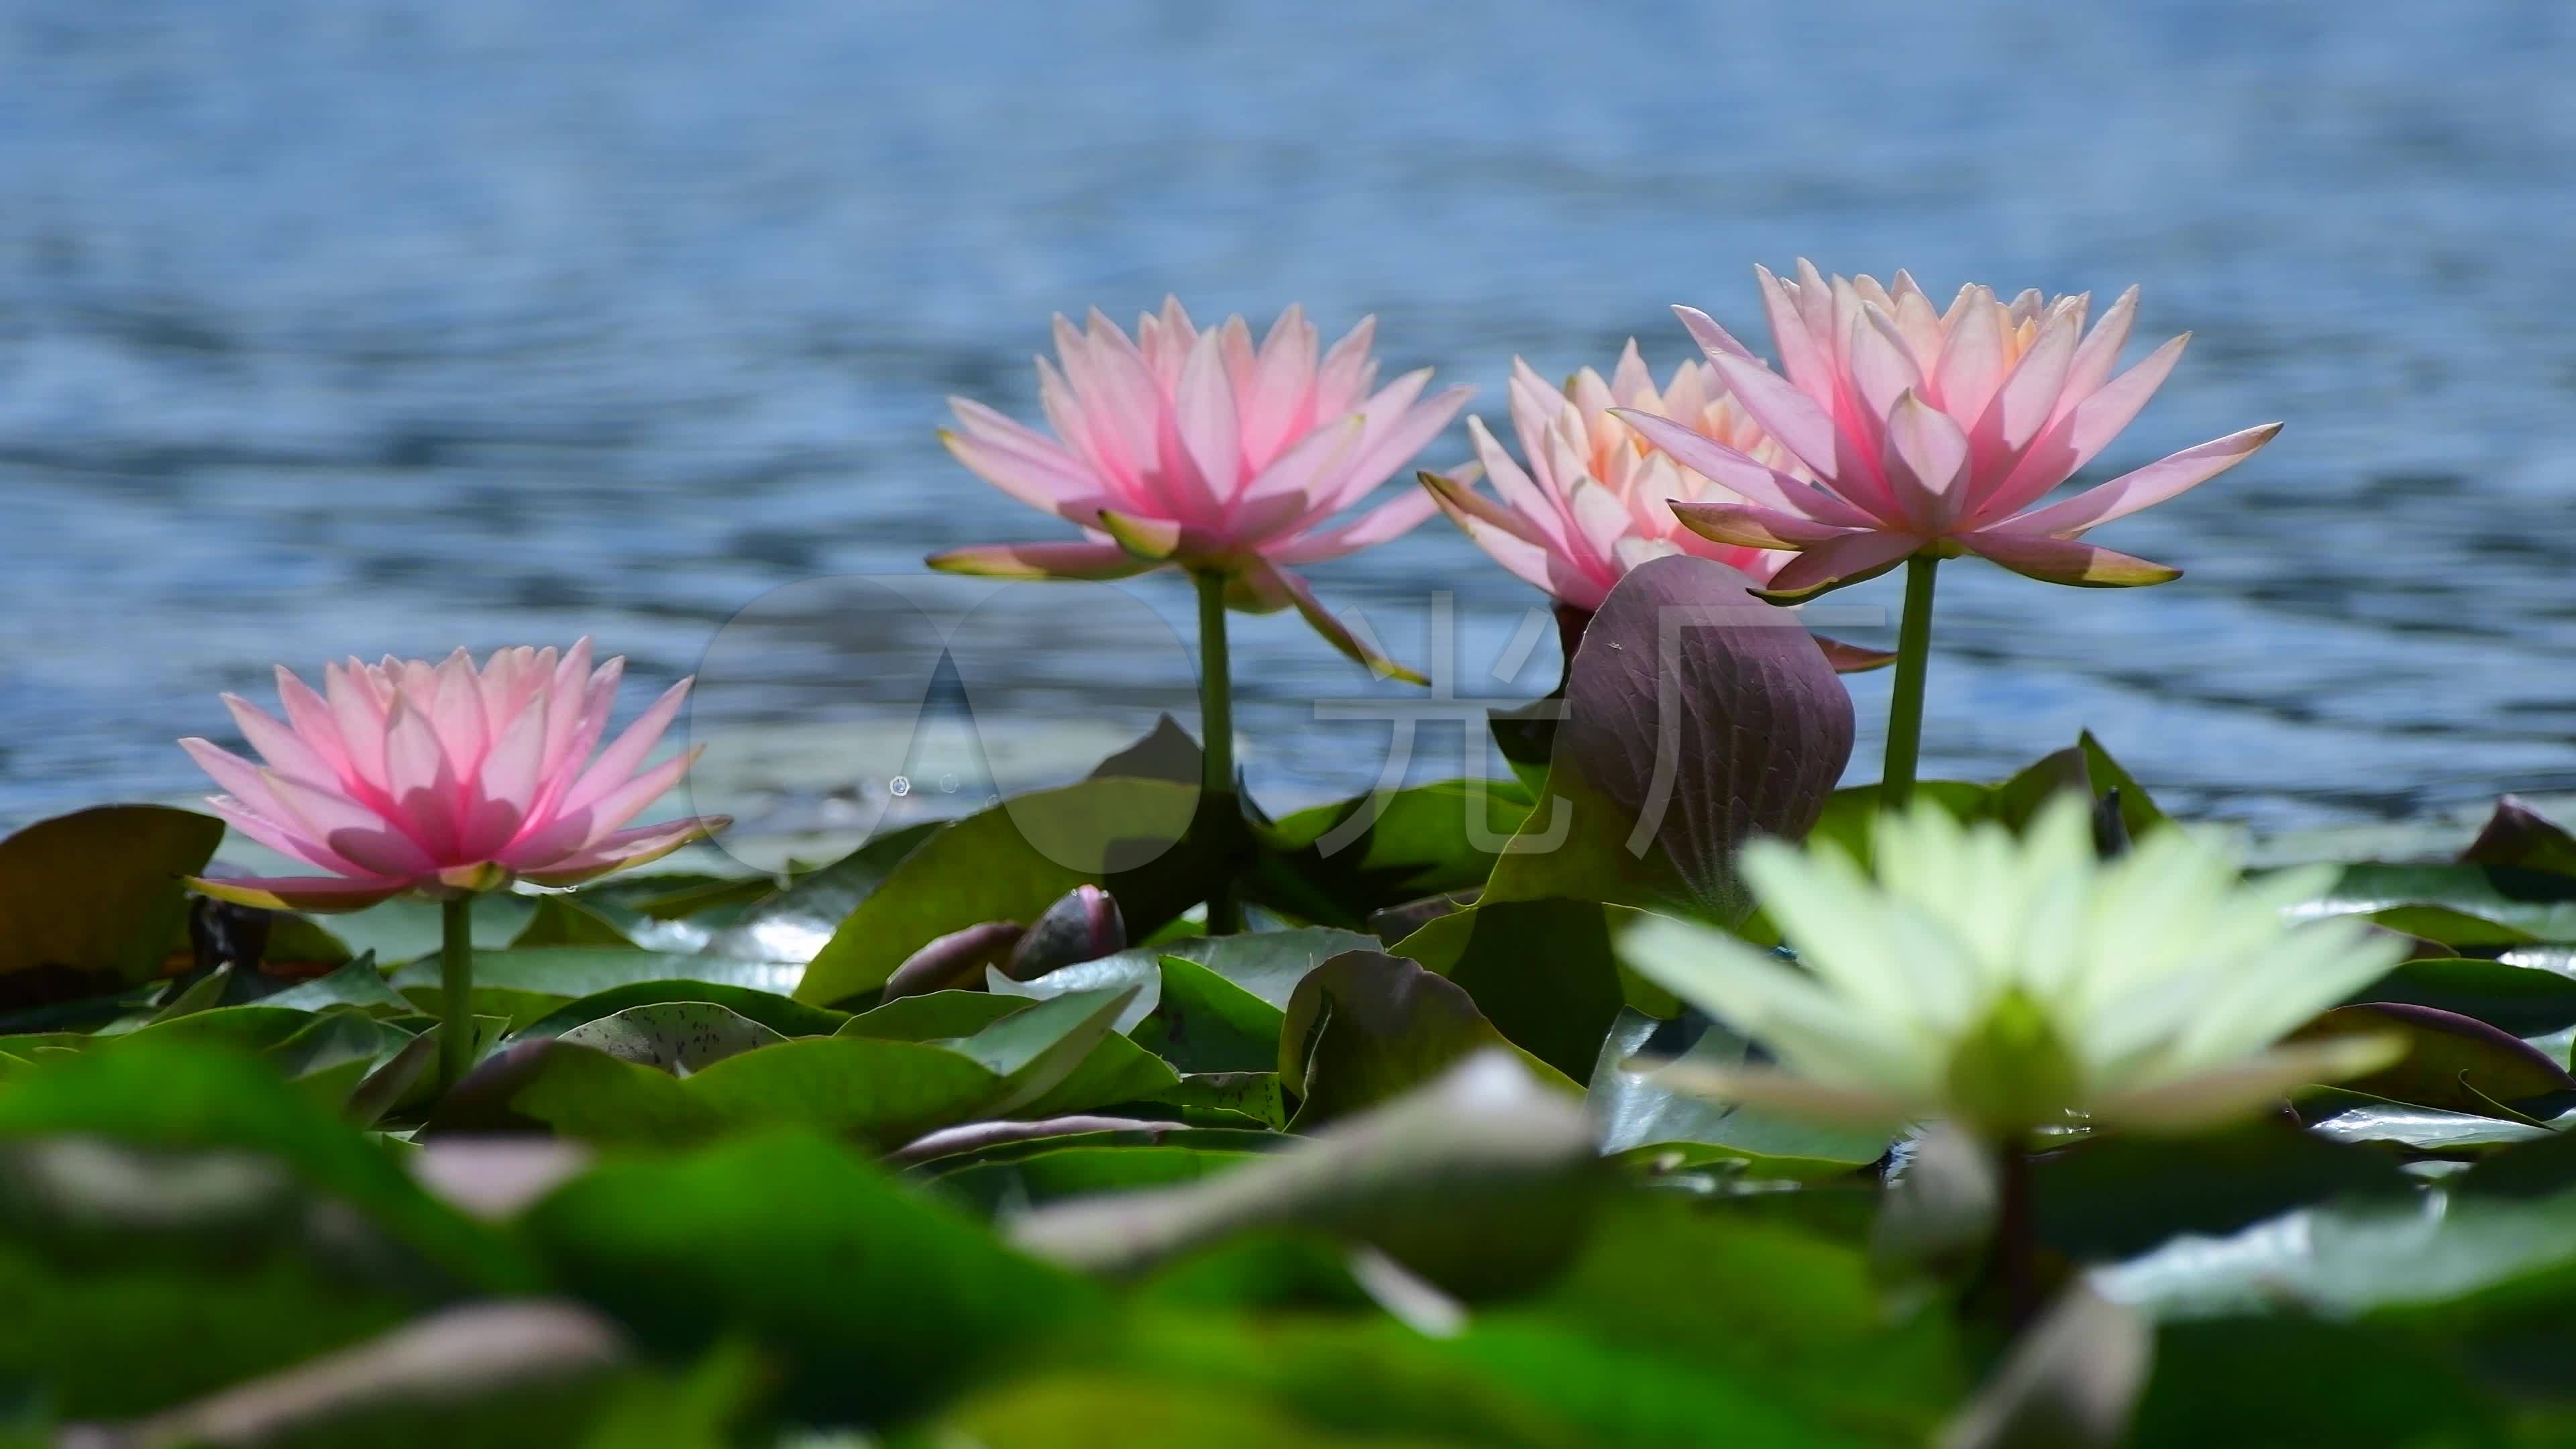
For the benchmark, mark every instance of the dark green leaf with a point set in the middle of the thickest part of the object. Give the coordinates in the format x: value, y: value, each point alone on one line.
x: 809, y: 1251
x: 1206, y: 1023
x: 1010, y: 863
x: 1541, y: 971
x: 1365, y: 1027
x: 679, y: 1037
x: 794, y: 924
x: 89, y: 901
x: 782, y: 1014
x: 1337, y: 863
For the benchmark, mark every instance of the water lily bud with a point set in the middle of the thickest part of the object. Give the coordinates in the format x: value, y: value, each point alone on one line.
x: 955, y: 961
x: 1083, y: 925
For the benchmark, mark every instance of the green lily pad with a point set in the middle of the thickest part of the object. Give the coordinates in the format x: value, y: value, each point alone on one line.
x: 1541, y: 971
x: 1365, y: 1027
x: 679, y: 1037
x: 782, y: 1014
x: 796, y: 923
x: 1010, y: 863
x: 89, y: 900
x: 1639, y: 1119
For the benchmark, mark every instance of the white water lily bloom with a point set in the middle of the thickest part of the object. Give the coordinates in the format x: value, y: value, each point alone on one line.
x: 2005, y: 983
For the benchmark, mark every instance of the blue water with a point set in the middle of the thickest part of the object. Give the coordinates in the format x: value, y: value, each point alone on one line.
x: 358, y: 325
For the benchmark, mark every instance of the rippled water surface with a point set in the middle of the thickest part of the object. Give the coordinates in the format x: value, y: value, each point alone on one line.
x: 356, y: 325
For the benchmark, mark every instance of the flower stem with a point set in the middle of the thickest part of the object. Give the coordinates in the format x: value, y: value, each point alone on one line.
x: 1905, y: 709
x: 2016, y: 1234
x: 455, y: 989
x: 1216, y: 752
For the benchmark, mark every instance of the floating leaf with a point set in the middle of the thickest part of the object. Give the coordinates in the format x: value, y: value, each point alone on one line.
x: 1635, y: 1116
x: 782, y: 1014
x: 1474, y: 1180
x: 2457, y: 905
x: 803, y: 1248
x: 89, y: 901
x: 1335, y: 864
x: 1010, y: 863
x: 2517, y: 835
x: 1541, y: 971
x: 679, y: 1037
x: 1203, y: 1022
x: 796, y: 923
x: 1365, y: 1027
x: 2454, y: 1062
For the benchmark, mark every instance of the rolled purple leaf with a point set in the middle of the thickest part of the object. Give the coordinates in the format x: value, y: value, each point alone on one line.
x: 1706, y: 717
x: 955, y: 961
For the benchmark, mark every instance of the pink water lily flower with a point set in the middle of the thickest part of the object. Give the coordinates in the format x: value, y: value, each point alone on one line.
x: 1201, y: 450
x: 1925, y: 432
x: 1596, y: 498
x: 442, y: 780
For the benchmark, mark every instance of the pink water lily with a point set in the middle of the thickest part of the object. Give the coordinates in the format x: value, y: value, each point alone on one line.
x: 1596, y: 498
x: 1200, y: 450
x: 1926, y: 432
x: 441, y: 780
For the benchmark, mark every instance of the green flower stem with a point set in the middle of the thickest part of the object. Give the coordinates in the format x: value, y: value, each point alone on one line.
x: 1216, y: 750
x: 1905, y: 710
x: 2016, y: 1234
x: 455, y: 989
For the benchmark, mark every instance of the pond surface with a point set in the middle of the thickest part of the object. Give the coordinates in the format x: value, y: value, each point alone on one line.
x: 355, y: 325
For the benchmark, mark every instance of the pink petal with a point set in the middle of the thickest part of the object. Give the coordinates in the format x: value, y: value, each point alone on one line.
x: 1710, y: 337
x: 1530, y: 561
x: 1456, y: 492
x: 1016, y: 459
x: 1750, y: 525
x: 352, y: 831
x: 1346, y: 372
x: 360, y: 718
x: 282, y: 838
x: 1926, y: 462
x: 1541, y: 518
x: 1408, y: 434
x: 284, y: 750
x: 1041, y: 561
x: 1203, y: 414
x: 1972, y: 358
x: 310, y: 716
x: 1397, y: 516
x: 2073, y: 440
x: 2028, y: 398
x: 2145, y: 487
x: 1312, y: 464
x: 421, y: 782
x: 317, y: 894
x: 1785, y: 412
x: 1279, y: 402
x: 1335, y: 632
x: 505, y: 788
x: 1732, y: 470
x: 1845, y: 560
x: 2097, y: 354
x: 1804, y: 357
x: 456, y: 714
x: 617, y: 763
x: 627, y: 848
x: 2066, y: 560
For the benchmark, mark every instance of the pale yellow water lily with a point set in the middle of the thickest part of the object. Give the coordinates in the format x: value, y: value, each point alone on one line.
x: 2011, y: 983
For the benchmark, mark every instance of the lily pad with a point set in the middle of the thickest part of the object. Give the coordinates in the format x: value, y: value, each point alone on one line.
x: 679, y: 1037
x: 90, y: 900
x: 1010, y: 863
